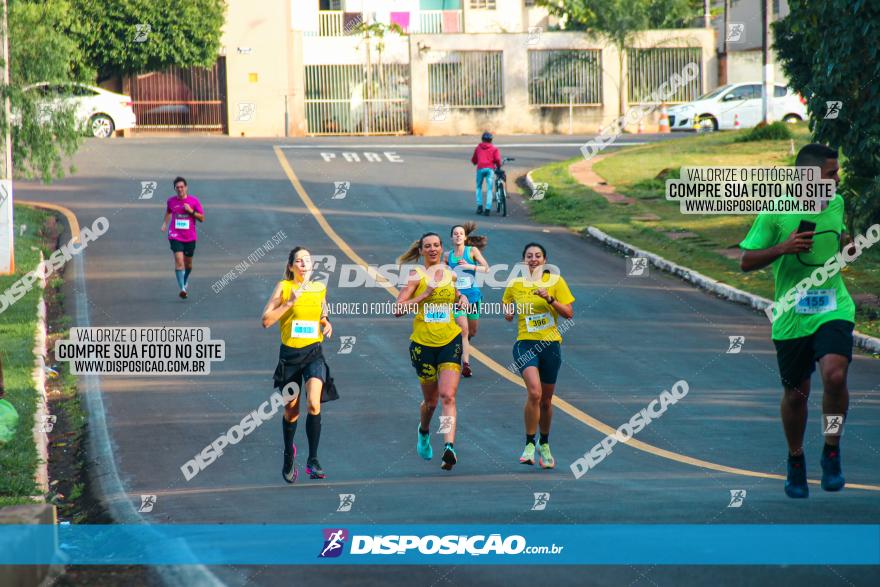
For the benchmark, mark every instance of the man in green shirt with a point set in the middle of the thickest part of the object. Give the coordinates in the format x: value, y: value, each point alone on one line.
x: 818, y: 327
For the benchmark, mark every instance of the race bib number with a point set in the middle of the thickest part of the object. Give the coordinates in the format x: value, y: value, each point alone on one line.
x: 817, y: 301
x: 304, y: 329
x: 464, y: 281
x: 539, y: 322
x: 181, y: 223
x: 437, y: 315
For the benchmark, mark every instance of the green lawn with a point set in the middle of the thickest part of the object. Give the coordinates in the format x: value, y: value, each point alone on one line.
x: 704, y: 243
x: 18, y: 459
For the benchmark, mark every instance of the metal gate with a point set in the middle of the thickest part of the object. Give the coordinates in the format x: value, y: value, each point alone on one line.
x: 357, y: 99
x: 181, y: 99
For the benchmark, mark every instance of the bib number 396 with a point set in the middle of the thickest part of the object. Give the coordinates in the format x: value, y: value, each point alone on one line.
x: 538, y: 322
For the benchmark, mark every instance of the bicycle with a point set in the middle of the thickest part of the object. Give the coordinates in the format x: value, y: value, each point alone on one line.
x: 501, y: 186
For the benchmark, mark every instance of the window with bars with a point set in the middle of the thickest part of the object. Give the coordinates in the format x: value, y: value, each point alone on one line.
x: 649, y: 68
x: 482, y: 4
x: 563, y: 77
x: 467, y: 79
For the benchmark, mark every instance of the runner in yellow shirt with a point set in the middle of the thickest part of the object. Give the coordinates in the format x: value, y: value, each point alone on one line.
x: 435, y: 350
x: 300, y: 305
x: 539, y: 301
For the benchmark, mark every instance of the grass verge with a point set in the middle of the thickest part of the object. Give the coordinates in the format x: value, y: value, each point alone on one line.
x: 706, y: 243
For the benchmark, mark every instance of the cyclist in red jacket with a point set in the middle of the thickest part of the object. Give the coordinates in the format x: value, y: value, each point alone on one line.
x: 486, y: 157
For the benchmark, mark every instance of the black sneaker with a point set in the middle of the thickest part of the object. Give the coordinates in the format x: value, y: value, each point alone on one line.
x: 290, y: 471
x: 314, y: 470
x: 832, y: 476
x: 486, y: 212
x: 796, y: 484
x: 449, y: 458
x: 480, y: 209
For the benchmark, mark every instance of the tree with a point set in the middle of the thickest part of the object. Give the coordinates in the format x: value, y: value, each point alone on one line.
x: 829, y: 51
x: 122, y: 37
x: 40, y: 51
x: 621, y: 20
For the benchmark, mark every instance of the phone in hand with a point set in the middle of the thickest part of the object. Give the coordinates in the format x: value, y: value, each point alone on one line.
x: 806, y: 226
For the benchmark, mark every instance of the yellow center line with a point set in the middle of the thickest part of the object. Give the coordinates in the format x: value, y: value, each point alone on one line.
x: 486, y: 360
x: 71, y: 217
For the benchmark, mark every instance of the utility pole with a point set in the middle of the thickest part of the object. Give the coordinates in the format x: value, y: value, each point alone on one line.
x: 707, y: 20
x: 7, y: 251
x: 767, y: 77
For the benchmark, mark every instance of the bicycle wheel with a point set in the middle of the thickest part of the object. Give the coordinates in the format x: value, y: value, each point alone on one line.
x: 502, y: 199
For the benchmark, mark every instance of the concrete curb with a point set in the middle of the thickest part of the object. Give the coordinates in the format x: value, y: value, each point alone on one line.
x: 41, y: 437
x: 863, y: 341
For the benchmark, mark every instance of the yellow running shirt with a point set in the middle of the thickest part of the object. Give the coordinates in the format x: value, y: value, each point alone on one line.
x: 537, y: 319
x: 434, y: 324
x: 300, y: 325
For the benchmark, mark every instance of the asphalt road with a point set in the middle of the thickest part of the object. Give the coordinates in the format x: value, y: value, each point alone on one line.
x: 632, y: 338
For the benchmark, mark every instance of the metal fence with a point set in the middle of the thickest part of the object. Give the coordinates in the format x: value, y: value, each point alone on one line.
x: 565, y: 77
x: 649, y: 68
x: 357, y: 99
x: 466, y: 79
x: 181, y: 98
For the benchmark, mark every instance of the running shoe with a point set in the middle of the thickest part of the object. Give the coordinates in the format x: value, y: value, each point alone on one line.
x: 466, y: 369
x: 182, y: 294
x: 314, y: 470
x: 480, y: 209
x: 424, y: 446
x: 449, y: 458
x: 546, y: 459
x: 290, y: 471
x: 486, y: 212
x: 796, y: 484
x: 832, y: 476
x: 528, y: 455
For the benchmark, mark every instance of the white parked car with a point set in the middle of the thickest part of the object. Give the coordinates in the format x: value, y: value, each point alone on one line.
x: 720, y: 108
x: 100, y: 111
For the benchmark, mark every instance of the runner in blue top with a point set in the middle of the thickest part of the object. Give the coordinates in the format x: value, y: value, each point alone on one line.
x: 465, y: 259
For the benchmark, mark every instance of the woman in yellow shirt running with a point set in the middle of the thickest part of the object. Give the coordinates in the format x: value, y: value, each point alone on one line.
x: 435, y: 350
x: 539, y: 300
x: 300, y: 305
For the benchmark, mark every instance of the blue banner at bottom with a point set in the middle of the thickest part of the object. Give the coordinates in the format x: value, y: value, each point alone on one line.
x: 619, y: 544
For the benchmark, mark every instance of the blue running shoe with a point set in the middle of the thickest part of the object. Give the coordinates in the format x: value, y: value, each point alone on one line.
x: 832, y: 476
x: 796, y: 484
x: 424, y: 445
x: 314, y: 470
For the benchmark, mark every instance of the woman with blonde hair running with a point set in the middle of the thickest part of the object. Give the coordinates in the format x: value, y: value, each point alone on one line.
x: 300, y: 305
x: 465, y: 258
x: 435, y: 348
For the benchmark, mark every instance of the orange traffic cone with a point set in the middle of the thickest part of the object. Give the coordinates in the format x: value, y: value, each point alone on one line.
x: 664, y: 120
x: 736, y: 122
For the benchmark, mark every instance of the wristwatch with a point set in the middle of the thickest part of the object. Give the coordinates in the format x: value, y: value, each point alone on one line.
x: 551, y: 300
